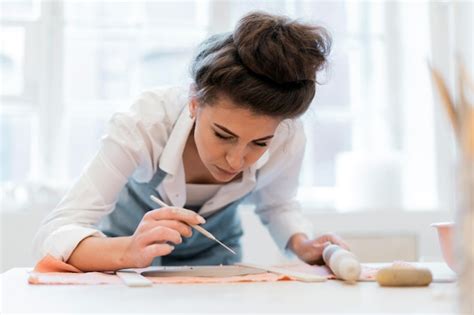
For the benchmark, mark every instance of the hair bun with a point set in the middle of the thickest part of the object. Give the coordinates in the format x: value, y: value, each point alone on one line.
x: 279, y: 49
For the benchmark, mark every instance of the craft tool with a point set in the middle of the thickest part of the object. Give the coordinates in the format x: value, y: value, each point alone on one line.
x: 343, y: 263
x: 198, y: 228
x: 133, y: 279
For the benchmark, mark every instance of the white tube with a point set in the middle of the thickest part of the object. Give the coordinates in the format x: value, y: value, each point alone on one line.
x: 343, y: 263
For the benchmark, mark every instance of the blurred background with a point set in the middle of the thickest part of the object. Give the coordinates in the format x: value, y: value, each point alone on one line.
x: 380, y: 160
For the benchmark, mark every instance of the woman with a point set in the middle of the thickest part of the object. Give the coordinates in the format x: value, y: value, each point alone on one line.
x: 232, y: 137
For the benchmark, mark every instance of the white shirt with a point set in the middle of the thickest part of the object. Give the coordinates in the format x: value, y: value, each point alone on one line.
x: 152, y: 134
x: 198, y: 194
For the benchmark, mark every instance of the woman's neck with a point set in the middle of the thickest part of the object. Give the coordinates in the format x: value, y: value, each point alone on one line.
x: 194, y: 169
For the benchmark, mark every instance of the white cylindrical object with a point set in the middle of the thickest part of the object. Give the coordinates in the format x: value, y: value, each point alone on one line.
x: 343, y: 263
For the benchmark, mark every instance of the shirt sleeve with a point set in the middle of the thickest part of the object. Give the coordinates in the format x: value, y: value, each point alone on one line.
x: 130, y: 147
x: 276, y: 203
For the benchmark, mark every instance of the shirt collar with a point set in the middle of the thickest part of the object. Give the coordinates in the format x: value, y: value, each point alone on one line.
x: 261, y: 161
x: 171, y: 156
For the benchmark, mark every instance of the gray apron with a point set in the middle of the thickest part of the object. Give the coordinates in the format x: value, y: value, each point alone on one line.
x: 197, y: 250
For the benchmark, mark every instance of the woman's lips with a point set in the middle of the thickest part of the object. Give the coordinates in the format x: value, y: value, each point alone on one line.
x: 225, y: 171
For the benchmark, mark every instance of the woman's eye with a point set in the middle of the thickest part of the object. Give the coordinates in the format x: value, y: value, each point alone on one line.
x: 222, y: 136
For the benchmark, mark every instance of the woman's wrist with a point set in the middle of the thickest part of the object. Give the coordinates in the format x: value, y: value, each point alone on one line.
x: 295, y: 243
x: 121, y: 259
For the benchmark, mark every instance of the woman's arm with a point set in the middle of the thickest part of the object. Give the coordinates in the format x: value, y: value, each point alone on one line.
x: 157, y: 230
x: 276, y: 203
x: 281, y: 213
x: 133, y: 143
x: 100, y: 254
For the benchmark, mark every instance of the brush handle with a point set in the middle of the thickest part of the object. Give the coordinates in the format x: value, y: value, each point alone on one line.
x: 203, y: 231
x: 158, y: 201
x: 198, y: 228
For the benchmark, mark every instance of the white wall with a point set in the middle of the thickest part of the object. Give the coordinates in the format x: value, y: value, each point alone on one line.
x: 17, y: 231
x: 377, y: 236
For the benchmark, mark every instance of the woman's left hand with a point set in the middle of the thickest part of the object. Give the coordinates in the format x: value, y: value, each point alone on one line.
x: 311, y: 251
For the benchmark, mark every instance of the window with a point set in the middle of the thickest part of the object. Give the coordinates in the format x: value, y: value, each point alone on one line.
x: 18, y: 91
x: 67, y: 66
x: 114, y: 50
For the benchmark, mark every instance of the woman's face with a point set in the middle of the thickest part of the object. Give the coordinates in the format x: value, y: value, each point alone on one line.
x: 229, y: 138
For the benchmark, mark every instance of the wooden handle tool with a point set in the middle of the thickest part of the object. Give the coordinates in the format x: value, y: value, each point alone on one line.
x: 198, y: 228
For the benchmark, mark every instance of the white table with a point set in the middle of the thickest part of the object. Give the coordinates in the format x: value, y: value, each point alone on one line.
x: 278, y: 297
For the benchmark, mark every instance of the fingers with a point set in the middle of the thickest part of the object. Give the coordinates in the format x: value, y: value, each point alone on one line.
x: 317, y: 248
x: 339, y: 241
x: 313, y: 253
x: 155, y: 250
x: 183, y: 229
x: 173, y: 213
x: 160, y: 234
x: 332, y: 239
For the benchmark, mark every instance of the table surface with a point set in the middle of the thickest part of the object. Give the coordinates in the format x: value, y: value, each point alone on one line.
x: 276, y: 297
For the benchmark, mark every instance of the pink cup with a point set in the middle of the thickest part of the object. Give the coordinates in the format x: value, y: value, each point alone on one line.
x: 446, y: 241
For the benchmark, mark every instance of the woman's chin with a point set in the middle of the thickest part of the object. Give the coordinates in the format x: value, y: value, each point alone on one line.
x: 222, y: 176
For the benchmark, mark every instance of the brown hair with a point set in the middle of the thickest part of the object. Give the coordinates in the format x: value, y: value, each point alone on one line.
x: 268, y: 65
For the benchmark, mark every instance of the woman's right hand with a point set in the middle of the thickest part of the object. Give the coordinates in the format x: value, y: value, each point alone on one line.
x: 156, y: 229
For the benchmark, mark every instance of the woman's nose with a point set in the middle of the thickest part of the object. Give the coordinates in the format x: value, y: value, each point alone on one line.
x: 235, y: 158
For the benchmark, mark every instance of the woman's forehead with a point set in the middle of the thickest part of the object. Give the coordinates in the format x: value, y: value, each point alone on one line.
x: 240, y: 120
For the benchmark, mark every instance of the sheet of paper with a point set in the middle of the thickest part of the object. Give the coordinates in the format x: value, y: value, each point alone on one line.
x: 53, y: 271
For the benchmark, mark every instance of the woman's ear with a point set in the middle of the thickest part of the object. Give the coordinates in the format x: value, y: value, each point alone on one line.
x: 193, y: 107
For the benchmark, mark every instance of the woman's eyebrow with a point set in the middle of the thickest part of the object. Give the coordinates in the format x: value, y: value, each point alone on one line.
x: 233, y: 134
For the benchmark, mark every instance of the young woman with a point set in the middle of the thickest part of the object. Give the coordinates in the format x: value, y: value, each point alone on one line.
x: 232, y: 137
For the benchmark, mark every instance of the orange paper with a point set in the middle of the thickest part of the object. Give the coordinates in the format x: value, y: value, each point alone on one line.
x: 50, y: 270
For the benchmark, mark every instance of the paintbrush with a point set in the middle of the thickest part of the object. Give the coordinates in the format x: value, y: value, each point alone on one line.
x: 198, y: 228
